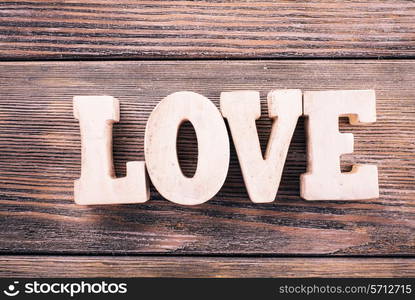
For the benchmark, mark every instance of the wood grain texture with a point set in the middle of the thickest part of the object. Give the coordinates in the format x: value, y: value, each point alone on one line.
x: 219, y: 267
x: 211, y: 29
x: 40, y: 158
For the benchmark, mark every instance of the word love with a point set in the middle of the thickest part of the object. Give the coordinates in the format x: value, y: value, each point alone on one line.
x: 322, y: 181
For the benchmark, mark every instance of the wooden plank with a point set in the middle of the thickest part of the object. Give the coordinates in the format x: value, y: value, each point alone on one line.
x: 40, y: 158
x: 46, y: 29
x: 219, y: 267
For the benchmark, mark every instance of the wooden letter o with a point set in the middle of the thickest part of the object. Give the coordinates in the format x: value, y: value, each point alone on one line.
x: 161, y: 154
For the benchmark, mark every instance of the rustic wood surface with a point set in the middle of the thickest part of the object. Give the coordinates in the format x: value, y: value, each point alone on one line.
x: 199, y: 29
x: 40, y: 158
x: 219, y: 267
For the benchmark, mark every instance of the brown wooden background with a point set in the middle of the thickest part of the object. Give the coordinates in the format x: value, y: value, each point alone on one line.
x: 141, y: 51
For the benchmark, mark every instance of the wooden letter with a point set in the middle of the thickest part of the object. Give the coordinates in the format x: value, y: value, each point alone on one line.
x: 262, y: 175
x: 98, y: 184
x: 323, y: 180
x: 161, y: 154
